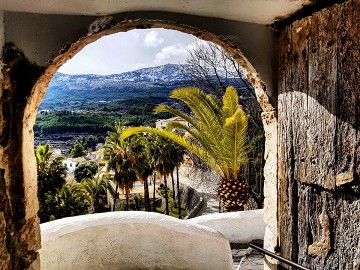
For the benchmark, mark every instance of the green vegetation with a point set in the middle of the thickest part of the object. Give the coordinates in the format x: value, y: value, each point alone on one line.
x: 90, y: 142
x: 121, y: 160
x: 97, y: 188
x: 217, y: 135
x: 71, y: 199
x: 66, y: 121
x: 170, y: 158
x: 93, y: 121
x: 77, y: 150
x: 133, y: 159
x: 58, y: 198
x: 128, y: 160
x: 51, y: 177
x: 85, y: 169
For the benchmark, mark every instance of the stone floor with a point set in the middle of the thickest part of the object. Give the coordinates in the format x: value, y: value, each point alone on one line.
x: 246, y: 258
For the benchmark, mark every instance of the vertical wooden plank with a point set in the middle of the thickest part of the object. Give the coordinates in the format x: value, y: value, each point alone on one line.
x: 347, y: 98
x: 347, y: 229
x: 300, y: 112
x: 300, y: 97
x: 284, y: 128
x: 319, y: 157
x: 355, y: 32
x: 322, y: 101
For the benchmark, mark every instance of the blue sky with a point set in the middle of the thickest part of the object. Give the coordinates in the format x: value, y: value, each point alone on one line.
x: 130, y: 50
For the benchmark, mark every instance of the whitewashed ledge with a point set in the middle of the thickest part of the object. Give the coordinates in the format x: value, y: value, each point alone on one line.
x: 131, y: 240
x: 237, y: 227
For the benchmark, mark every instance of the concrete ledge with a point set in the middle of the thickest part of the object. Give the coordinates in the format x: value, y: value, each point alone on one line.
x: 237, y: 227
x: 131, y: 240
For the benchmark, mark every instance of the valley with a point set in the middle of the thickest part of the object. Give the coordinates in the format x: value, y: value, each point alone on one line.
x: 81, y: 105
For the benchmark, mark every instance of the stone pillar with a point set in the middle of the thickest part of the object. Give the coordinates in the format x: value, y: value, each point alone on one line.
x: 19, y: 222
x: 270, y: 186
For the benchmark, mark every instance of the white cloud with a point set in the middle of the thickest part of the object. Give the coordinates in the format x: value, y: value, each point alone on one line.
x: 174, y: 53
x: 198, y: 43
x: 126, y: 51
x: 153, y: 39
x: 134, y: 34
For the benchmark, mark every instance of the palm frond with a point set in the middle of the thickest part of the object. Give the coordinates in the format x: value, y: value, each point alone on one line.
x: 230, y: 102
x: 235, y: 140
x: 204, y: 107
x: 190, y: 132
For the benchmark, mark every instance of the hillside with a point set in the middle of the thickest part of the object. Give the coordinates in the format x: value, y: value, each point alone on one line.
x: 86, y: 103
x: 74, y: 91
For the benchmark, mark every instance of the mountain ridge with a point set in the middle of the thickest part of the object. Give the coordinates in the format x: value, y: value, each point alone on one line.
x: 163, y: 73
x: 68, y: 90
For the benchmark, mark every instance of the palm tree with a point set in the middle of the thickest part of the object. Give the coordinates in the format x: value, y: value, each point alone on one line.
x: 153, y: 149
x: 72, y: 200
x: 51, y: 176
x: 121, y: 160
x: 143, y: 168
x: 173, y: 154
x: 97, y: 188
x: 51, y: 171
x: 85, y: 169
x: 168, y: 156
x: 177, y: 157
x: 216, y: 134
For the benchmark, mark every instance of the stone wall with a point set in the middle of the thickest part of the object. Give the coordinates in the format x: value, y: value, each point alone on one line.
x: 19, y: 222
x: 131, y: 240
x: 238, y: 227
x: 54, y: 33
x: 319, y: 139
x: 49, y: 41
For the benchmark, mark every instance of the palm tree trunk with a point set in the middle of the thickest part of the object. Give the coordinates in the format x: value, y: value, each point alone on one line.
x: 154, y: 179
x: 116, y: 194
x: 166, y: 196
x: 127, y: 195
x: 146, y: 195
x: 173, y: 185
x: 178, y: 191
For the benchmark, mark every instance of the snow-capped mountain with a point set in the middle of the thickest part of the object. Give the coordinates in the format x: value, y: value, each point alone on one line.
x: 156, y: 82
x: 161, y: 74
x: 170, y: 73
x: 65, y: 89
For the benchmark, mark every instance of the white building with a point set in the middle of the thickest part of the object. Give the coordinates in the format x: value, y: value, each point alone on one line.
x: 162, y: 123
x: 70, y: 163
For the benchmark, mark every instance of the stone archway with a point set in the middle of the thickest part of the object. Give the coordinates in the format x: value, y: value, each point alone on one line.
x: 107, y: 26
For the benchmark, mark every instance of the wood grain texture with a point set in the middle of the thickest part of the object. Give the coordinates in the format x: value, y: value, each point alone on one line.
x: 285, y: 156
x: 318, y: 136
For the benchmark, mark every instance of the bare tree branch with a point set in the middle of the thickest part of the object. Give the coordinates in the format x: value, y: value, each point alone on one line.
x: 213, y: 70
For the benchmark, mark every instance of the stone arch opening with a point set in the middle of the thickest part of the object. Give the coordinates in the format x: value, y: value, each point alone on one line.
x: 94, y: 34
x: 107, y: 27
